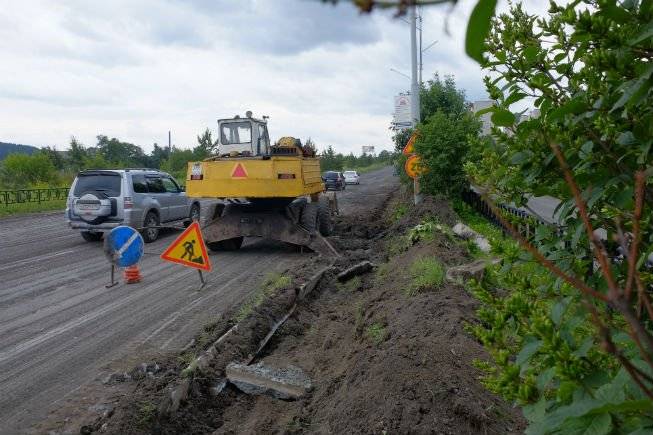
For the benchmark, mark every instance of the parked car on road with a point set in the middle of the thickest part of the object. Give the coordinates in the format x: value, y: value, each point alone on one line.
x: 351, y: 177
x: 100, y: 200
x: 333, y: 180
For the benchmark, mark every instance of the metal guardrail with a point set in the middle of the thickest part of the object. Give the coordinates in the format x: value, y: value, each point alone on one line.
x: 525, y: 224
x: 19, y: 196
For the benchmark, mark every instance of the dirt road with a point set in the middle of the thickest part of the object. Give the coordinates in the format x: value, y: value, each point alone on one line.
x: 60, y: 328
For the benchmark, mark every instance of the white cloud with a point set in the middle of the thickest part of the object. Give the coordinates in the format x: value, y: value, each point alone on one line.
x: 135, y: 70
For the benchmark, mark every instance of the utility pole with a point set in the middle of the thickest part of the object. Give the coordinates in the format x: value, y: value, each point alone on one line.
x: 169, y: 144
x: 414, y: 89
x: 414, y: 86
x: 421, y: 64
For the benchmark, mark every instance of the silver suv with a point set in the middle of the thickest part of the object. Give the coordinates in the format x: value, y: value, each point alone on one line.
x: 100, y: 200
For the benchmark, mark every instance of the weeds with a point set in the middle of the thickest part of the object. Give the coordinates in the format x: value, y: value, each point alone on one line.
x: 397, y: 245
x: 351, y: 285
x: 32, y: 207
x: 381, y: 273
x: 399, y: 212
x: 426, y: 273
x: 272, y: 283
x: 376, y: 332
x: 146, y: 414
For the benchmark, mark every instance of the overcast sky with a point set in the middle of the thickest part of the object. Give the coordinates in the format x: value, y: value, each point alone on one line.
x: 134, y: 69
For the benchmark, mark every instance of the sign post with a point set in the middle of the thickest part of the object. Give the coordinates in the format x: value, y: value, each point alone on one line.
x: 413, y: 167
x: 189, y: 250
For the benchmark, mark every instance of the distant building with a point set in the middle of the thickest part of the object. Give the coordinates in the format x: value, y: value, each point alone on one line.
x: 486, y: 118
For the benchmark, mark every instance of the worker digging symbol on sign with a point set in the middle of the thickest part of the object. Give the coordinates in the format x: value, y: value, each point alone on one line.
x: 189, y: 247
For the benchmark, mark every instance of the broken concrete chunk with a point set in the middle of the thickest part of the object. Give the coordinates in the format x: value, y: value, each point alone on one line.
x: 287, y: 383
x: 466, y: 233
x: 471, y: 270
x: 483, y: 244
x: 114, y: 378
x: 463, y: 231
x: 357, y: 269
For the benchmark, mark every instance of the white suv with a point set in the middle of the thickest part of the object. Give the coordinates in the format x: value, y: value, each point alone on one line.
x: 100, y: 200
x: 351, y: 177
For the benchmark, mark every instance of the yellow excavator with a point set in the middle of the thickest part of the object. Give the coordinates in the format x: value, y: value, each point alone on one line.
x: 274, y: 191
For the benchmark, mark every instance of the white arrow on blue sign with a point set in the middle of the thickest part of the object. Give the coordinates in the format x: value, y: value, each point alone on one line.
x: 123, y: 246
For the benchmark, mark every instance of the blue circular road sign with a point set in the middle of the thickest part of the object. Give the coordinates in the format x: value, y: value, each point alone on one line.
x: 124, y: 246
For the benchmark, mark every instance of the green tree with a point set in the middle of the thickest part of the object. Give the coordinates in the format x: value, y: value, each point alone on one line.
x: 23, y: 170
x: 76, y: 155
x: 158, y: 155
x: 55, y: 157
x: 206, y: 145
x: 120, y: 153
x: 443, y: 146
x: 442, y: 96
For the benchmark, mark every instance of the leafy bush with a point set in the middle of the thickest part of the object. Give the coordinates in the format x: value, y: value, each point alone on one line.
x: 568, y: 324
x: 443, y: 144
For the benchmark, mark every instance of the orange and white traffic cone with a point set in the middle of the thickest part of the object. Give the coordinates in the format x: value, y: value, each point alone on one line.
x: 132, y: 274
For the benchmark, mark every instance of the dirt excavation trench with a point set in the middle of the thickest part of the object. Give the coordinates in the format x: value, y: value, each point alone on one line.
x: 383, y: 351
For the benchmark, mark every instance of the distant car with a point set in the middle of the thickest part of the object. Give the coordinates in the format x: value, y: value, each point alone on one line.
x: 100, y: 200
x: 351, y: 177
x: 334, y: 180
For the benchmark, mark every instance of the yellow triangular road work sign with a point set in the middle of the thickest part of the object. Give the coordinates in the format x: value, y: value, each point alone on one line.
x: 189, y: 249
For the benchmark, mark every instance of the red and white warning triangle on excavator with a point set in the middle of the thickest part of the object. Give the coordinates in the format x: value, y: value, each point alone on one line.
x: 239, y: 171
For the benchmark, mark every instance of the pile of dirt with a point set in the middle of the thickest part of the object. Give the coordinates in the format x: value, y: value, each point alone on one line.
x: 382, y: 356
x: 382, y: 360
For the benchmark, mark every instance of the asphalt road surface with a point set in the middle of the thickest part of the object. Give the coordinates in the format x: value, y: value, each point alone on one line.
x: 60, y: 326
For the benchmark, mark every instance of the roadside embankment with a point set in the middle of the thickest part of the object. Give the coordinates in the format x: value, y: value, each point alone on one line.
x: 378, y: 345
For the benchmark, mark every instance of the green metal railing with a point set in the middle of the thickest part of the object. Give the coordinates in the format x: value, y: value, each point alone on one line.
x: 19, y: 196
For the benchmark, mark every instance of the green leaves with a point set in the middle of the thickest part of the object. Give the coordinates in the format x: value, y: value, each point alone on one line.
x: 503, y: 117
x: 478, y: 28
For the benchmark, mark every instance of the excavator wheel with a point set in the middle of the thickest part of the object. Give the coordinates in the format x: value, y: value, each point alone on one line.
x: 325, y: 221
x: 309, y: 217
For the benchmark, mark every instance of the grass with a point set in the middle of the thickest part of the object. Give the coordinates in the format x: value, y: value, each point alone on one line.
x: 426, y: 273
x: 272, y: 283
x: 398, y: 244
x: 476, y: 221
x: 381, y: 273
x: 370, y: 168
x: 399, y: 212
x: 376, y: 332
x: 32, y: 207
x: 351, y: 285
x: 146, y: 414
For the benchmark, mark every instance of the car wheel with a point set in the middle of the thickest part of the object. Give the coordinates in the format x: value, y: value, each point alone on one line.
x: 194, y: 215
x: 91, y: 237
x: 149, y: 232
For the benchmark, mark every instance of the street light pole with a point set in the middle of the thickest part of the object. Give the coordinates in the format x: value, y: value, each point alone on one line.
x: 414, y: 89
x: 414, y: 86
x: 421, y: 52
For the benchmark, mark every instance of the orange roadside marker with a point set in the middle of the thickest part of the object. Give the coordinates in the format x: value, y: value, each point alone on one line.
x: 132, y: 274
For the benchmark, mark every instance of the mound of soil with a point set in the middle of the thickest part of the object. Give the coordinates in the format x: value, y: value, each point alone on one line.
x: 381, y: 360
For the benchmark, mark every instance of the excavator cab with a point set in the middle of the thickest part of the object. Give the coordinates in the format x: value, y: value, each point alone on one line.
x: 245, y: 137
